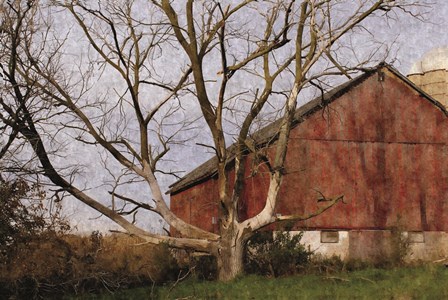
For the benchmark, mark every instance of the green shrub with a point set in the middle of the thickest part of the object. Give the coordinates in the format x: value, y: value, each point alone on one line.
x: 276, y: 254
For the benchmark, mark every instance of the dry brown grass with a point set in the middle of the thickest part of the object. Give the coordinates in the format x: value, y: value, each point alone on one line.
x: 77, y: 264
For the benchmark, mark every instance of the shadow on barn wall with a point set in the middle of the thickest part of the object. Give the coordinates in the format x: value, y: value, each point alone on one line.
x: 380, y: 140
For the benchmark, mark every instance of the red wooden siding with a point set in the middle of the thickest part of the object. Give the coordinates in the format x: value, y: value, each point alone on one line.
x: 382, y: 144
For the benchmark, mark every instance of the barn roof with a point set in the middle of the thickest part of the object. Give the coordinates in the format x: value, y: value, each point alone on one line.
x: 269, y: 133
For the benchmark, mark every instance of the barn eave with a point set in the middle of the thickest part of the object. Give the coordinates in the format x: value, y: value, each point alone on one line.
x: 269, y: 134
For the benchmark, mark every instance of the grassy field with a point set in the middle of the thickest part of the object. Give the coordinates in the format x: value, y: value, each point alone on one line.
x: 423, y: 282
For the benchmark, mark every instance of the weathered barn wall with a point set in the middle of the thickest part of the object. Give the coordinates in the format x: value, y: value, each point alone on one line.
x: 198, y: 205
x: 382, y: 144
x: 371, y: 245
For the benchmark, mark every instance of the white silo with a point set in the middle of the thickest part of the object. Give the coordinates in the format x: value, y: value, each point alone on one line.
x: 431, y: 74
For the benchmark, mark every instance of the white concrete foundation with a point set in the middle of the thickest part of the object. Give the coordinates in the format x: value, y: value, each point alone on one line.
x: 423, y: 246
x: 312, y: 239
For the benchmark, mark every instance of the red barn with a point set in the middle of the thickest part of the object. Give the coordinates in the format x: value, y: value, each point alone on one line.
x: 380, y: 141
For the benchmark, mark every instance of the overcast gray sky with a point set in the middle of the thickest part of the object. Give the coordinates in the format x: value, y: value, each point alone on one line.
x: 412, y: 40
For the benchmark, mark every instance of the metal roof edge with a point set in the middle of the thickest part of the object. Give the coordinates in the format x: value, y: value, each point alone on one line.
x: 268, y: 133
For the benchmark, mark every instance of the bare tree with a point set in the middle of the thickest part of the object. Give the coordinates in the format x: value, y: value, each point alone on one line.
x: 283, y: 46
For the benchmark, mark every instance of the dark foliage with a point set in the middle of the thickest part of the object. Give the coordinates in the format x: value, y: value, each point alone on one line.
x: 21, y: 215
x: 276, y: 254
x: 205, y: 267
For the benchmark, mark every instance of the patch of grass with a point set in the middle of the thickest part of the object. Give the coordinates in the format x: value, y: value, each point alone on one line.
x: 422, y: 282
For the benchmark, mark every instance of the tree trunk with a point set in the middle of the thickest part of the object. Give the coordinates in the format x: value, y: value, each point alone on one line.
x: 230, y: 256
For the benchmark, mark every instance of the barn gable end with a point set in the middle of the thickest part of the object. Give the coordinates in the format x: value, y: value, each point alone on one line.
x: 378, y: 140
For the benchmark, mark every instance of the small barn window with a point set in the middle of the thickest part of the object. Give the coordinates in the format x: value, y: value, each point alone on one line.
x: 329, y: 236
x: 416, y: 237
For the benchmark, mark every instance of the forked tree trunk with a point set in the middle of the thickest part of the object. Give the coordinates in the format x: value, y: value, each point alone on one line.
x: 230, y: 256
